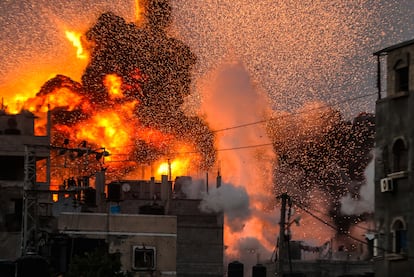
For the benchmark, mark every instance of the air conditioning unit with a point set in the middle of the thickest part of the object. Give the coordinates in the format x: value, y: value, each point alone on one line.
x: 387, y: 184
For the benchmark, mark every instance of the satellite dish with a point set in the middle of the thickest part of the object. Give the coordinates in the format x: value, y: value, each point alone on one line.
x: 126, y: 187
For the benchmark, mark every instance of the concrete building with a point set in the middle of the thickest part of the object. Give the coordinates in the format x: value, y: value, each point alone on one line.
x: 17, y: 132
x: 200, y: 246
x: 146, y: 243
x: 145, y: 221
x: 394, y: 179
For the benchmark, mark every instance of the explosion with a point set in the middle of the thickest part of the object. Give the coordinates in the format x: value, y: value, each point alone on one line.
x: 129, y: 101
x: 313, y: 154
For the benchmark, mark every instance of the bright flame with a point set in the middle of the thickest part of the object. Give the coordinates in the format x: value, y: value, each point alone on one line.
x: 75, y: 39
x: 138, y: 11
x: 19, y: 90
x: 178, y: 167
x: 113, y: 84
x: 163, y: 169
x: 61, y: 97
x: 107, y: 128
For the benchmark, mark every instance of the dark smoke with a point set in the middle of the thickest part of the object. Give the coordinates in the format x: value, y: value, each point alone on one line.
x: 330, y: 160
x: 156, y: 71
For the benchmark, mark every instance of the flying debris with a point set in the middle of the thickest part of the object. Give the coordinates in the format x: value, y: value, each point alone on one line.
x: 322, y: 157
x: 131, y: 94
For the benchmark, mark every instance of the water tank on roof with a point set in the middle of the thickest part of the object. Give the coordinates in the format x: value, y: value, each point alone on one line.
x: 259, y: 270
x: 235, y: 269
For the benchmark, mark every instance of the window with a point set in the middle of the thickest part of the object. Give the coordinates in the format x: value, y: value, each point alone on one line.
x: 401, y: 70
x: 400, y: 153
x: 401, y: 79
x: 399, y: 237
x: 144, y: 258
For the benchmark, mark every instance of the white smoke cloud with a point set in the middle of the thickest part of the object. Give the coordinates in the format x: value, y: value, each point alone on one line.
x: 232, y: 201
x: 365, y: 202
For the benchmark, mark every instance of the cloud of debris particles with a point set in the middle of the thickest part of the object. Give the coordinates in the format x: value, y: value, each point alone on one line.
x: 153, y: 75
x: 322, y: 158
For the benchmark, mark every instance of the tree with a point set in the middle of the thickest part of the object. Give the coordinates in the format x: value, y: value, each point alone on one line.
x: 98, y: 263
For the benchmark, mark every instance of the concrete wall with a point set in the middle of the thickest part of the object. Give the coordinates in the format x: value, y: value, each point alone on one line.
x: 395, y: 120
x: 325, y: 268
x: 24, y: 122
x: 200, y: 240
x: 199, y: 235
x: 395, y: 58
x: 123, y: 232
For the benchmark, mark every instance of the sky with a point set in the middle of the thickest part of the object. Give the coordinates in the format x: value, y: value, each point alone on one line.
x: 294, y: 51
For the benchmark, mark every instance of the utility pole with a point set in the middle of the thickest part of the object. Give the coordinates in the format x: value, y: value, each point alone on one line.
x: 282, y: 236
x: 30, y: 224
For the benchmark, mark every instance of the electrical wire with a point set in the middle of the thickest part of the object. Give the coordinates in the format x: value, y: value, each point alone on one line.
x: 330, y: 217
x: 294, y: 113
x: 264, y: 121
x: 387, y: 251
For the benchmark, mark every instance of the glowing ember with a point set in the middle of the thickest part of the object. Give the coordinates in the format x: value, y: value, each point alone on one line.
x: 106, y: 128
x: 61, y: 97
x: 176, y: 167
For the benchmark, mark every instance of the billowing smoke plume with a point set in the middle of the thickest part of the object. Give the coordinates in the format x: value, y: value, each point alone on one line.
x: 232, y: 201
x: 245, y: 157
x: 363, y: 201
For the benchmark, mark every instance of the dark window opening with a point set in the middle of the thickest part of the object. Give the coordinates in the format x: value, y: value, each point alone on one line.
x: 400, y: 237
x: 12, y: 127
x: 400, y: 156
x: 11, y: 168
x: 144, y: 258
x: 401, y: 79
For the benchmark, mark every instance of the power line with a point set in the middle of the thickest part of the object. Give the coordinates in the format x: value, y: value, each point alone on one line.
x: 244, y: 147
x: 330, y: 217
x: 292, y: 114
x: 260, y: 122
x: 347, y: 234
x: 196, y: 152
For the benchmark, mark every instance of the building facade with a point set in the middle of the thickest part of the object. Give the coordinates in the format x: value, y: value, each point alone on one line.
x: 146, y: 243
x: 17, y: 136
x: 200, y: 247
x: 394, y: 179
x: 157, y: 230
